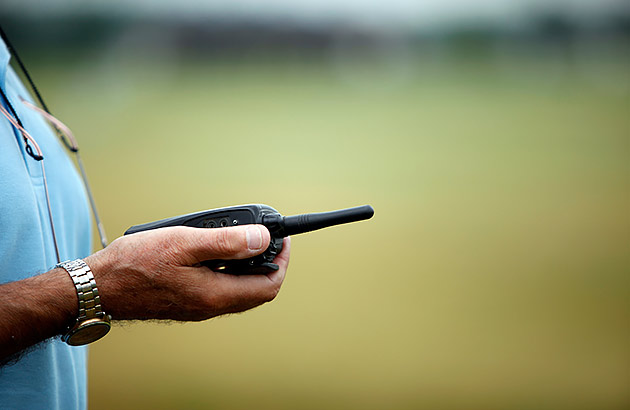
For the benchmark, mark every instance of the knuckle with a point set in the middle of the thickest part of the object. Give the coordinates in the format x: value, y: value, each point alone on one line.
x: 271, y: 293
x: 176, y: 235
x: 224, y: 242
x: 166, y: 246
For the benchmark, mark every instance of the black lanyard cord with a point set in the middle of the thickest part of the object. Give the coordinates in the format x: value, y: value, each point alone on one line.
x: 14, y: 53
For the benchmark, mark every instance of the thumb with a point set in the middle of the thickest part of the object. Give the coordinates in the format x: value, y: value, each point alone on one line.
x: 237, y: 242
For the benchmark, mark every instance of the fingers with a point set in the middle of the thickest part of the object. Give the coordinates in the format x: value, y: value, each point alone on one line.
x: 247, y: 291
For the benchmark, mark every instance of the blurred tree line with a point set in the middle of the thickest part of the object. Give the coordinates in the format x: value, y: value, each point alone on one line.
x: 207, y: 36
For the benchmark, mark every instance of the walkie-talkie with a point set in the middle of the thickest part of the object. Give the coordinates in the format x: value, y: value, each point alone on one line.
x: 279, y: 226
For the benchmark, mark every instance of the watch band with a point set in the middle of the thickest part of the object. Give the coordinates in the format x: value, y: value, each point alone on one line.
x: 92, y: 323
x: 89, y: 299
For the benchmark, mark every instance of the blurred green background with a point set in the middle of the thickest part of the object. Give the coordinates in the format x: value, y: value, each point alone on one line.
x: 495, y: 273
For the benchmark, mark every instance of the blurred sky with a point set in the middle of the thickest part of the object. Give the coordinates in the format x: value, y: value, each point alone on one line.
x: 393, y: 13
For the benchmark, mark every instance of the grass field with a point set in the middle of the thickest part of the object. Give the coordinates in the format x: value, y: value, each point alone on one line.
x: 494, y: 275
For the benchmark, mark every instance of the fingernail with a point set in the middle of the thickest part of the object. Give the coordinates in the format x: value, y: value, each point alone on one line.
x: 254, y: 238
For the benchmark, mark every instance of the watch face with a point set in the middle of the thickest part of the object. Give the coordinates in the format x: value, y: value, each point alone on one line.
x: 87, y: 332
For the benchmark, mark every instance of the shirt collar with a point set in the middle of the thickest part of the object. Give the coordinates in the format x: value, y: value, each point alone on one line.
x: 5, y: 56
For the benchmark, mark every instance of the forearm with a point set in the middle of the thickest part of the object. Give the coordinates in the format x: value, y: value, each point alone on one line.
x: 35, y: 309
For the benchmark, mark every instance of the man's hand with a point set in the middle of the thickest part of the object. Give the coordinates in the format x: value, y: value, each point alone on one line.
x: 157, y: 274
x: 148, y: 275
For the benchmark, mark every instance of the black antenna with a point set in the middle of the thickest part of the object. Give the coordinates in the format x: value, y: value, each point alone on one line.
x: 310, y: 222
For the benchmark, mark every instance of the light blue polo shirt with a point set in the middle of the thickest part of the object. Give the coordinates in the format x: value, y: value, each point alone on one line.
x: 52, y: 375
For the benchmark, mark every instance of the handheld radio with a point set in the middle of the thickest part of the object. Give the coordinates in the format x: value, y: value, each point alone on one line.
x: 279, y: 226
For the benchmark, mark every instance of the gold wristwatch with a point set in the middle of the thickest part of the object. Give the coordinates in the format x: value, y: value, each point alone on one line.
x: 92, y: 323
